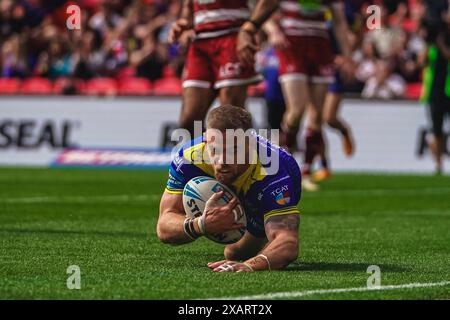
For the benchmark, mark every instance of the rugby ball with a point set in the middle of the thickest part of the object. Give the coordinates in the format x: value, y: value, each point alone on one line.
x: 195, y: 194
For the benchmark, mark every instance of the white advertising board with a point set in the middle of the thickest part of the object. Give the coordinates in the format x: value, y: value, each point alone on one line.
x: 35, y: 130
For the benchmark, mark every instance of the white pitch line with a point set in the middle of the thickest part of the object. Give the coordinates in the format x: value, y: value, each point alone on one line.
x: 378, y: 192
x: 82, y: 199
x: 299, y: 294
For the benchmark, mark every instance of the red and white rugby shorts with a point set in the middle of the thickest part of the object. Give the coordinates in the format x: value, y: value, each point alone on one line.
x: 307, y: 58
x: 213, y: 63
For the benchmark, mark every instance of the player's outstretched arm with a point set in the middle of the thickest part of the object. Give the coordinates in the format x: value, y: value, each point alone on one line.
x: 281, y: 250
x: 283, y: 246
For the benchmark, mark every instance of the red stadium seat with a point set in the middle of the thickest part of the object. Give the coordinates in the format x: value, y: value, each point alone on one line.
x: 167, y: 87
x: 135, y: 87
x: 61, y: 83
x: 168, y: 72
x: 9, y: 86
x: 413, y: 91
x: 37, y: 86
x: 128, y: 72
x: 101, y: 87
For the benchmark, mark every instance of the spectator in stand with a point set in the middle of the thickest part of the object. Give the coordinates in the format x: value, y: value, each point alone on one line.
x: 385, y: 39
x: 384, y: 84
x: 12, y: 60
x: 131, y: 35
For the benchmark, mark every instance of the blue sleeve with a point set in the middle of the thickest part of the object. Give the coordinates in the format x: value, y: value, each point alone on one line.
x: 177, y: 177
x: 280, y: 197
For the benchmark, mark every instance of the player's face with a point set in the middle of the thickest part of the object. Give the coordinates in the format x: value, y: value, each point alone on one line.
x: 224, y: 157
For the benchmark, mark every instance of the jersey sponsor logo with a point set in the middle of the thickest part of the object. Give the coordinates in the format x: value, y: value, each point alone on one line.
x: 173, y: 182
x: 280, y: 190
x: 282, y: 195
x: 230, y: 70
x: 283, y: 198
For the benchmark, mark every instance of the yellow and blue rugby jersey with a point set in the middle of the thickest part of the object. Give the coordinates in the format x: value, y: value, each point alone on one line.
x: 262, y: 195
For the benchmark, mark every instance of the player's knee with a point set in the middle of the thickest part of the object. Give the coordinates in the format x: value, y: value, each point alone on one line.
x: 294, y: 116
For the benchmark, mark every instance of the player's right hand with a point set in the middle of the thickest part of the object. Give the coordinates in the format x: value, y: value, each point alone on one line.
x: 220, y: 218
x: 246, y: 47
x: 177, y: 29
x: 278, y: 40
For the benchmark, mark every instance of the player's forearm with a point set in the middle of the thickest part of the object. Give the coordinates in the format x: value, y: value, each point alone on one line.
x: 278, y: 254
x: 170, y: 229
x: 341, y: 31
x: 263, y: 10
x: 187, y: 12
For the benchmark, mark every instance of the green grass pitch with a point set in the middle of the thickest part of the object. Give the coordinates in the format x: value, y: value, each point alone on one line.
x: 104, y: 222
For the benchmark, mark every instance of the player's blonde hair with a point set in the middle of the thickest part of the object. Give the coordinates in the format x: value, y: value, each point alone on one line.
x: 229, y: 117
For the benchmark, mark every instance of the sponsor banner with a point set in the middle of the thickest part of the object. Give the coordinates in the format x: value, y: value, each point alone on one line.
x: 390, y: 136
x: 113, y: 158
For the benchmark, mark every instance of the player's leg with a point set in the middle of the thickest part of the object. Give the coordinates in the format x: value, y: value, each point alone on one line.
x: 331, y: 117
x: 294, y: 80
x: 195, y: 105
x: 234, y: 95
x: 198, y: 91
x: 248, y: 246
x: 324, y: 171
x: 275, y: 112
x: 437, y: 144
x: 314, y: 142
x: 296, y: 94
x: 232, y: 77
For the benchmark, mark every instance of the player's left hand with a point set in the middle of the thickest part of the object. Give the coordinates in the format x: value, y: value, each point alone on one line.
x: 246, y: 47
x: 229, y: 266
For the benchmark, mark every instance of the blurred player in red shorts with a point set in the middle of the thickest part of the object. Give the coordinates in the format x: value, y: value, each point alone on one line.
x: 299, y: 32
x: 212, y: 67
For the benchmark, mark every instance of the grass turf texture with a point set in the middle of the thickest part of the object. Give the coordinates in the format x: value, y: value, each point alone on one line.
x: 51, y: 219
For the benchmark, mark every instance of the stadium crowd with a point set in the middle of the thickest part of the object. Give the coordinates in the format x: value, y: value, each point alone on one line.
x: 121, y: 39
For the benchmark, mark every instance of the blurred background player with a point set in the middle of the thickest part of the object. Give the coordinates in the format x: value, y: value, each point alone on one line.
x: 306, y: 68
x: 268, y: 65
x: 437, y: 79
x: 212, y: 67
x: 336, y: 90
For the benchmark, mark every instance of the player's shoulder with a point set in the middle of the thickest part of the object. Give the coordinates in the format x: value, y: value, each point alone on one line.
x: 189, y: 153
x: 272, y: 156
x: 279, y: 168
x: 190, y: 158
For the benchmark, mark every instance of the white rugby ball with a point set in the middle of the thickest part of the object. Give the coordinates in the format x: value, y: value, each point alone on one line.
x: 195, y: 194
